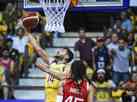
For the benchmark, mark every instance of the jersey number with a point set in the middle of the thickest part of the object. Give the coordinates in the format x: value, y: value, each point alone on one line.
x: 76, y: 99
x: 101, y: 65
x: 50, y: 78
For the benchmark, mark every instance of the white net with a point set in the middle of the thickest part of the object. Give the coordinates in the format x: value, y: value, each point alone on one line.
x: 55, y: 11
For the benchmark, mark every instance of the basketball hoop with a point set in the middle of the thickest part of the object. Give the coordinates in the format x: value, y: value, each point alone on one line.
x: 55, y: 11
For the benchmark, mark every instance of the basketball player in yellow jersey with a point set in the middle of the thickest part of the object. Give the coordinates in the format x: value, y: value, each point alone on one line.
x: 60, y: 64
x: 63, y: 57
x: 52, y: 84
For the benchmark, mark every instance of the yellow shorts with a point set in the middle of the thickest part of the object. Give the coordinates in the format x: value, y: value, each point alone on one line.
x: 50, y: 95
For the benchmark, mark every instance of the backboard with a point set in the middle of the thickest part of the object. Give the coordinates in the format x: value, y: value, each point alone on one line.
x: 82, y: 3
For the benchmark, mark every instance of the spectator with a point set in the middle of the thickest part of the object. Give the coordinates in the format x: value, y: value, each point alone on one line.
x: 20, y: 39
x: 108, y: 32
x: 133, y: 17
x: 119, y: 31
x: 126, y: 22
x: 130, y: 40
x: 134, y: 54
x: 83, y: 47
x: 107, y: 40
x: 19, y: 43
x: 8, y: 64
x: 114, y: 42
x: 3, y: 25
x: 100, y: 55
x: 131, y: 86
x: 6, y: 61
x: 117, y: 24
x: 2, y: 38
x: 102, y: 86
x: 9, y: 18
x: 124, y: 33
x: 3, y: 90
x: 8, y: 43
x: 89, y: 73
x: 14, y: 55
x: 120, y: 62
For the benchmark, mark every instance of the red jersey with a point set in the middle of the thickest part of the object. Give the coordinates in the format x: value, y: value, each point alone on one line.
x: 74, y: 92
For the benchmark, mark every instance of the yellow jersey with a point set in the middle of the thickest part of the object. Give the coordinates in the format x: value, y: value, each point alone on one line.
x: 101, y: 93
x: 52, y: 84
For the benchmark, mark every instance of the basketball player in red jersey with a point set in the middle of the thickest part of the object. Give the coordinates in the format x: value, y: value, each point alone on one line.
x: 76, y: 88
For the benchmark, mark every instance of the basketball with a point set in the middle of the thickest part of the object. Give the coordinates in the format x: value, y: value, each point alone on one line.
x: 30, y: 20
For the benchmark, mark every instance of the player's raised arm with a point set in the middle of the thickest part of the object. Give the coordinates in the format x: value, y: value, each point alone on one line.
x: 29, y: 21
x: 41, y: 52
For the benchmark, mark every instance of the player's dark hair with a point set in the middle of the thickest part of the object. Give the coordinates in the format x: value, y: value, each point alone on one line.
x: 70, y: 54
x: 78, y: 70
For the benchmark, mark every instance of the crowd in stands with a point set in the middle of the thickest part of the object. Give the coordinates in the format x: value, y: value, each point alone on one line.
x: 111, y: 60
x: 13, y: 47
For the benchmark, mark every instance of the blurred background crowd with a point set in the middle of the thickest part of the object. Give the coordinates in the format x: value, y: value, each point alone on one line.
x: 111, y: 60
